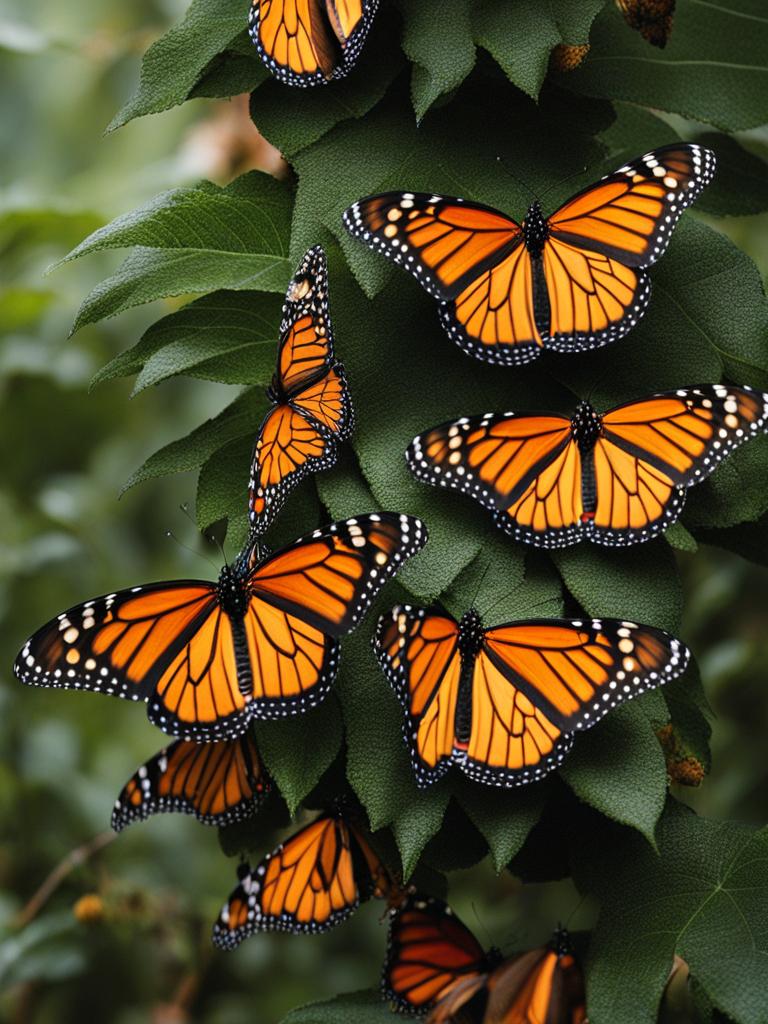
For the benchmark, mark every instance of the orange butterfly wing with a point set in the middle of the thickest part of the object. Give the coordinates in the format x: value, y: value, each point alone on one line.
x: 574, y: 671
x: 418, y: 653
x: 651, y: 451
x: 526, y: 469
x: 308, y: 42
x: 310, y: 883
x: 430, y: 952
x: 312, y: 408
x: 543, y: 985
x: 512, y: 740
x: 217, y: 782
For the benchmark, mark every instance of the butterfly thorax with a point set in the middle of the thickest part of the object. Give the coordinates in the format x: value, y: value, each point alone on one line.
x: 232, y: 593
x: 560, y: 942
x: 535, y: 230
x: 586, y: 427
x: 471, y: 634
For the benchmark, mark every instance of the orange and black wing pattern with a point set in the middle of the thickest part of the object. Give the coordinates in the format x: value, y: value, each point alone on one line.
x: 573, y: 671
x: 219, y: 783
x: 418, y: 650
x: 651, y: 451
x: 526, y: 469
x: 310, y: 42
x: 430, y: 955
x: 120, y: 643
x: 309, y: 884
x: 569, y: 282
x: 312, y: 410
x: 543, y: 986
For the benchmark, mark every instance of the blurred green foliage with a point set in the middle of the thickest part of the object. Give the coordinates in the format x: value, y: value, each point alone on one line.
x: 141, y: 951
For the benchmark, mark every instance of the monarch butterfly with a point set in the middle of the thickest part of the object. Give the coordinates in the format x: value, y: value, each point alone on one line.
x: 309, y: 42
x: 502, y: 703
x: 218, y: 782
x: 434, y: 963
x: 569, y: 282
x: 311, y: 405
x: 309, y: 884
x: 618, y: 478
x: 261, y: 642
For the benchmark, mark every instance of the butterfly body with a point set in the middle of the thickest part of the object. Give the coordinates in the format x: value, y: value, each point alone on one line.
x: 502, y: 703
x: 569, y: 282
x: 615, y: 478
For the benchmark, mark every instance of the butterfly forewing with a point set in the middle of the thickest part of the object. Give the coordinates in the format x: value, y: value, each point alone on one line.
x: 575, y: 670
x: 543, y: 985
x: 631, y: 213
x: 418, y: 653
x: 430, y: 952
x: 217, y: 782
x: 330, y: 578
x: 119, y: 643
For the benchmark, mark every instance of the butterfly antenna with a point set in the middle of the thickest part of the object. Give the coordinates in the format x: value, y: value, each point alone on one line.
x: 194, y: 551
x: 479, y: 585
x: 573, y: 913
x: 509, y: 593
x: 562, y: 181
x: 482, y: 927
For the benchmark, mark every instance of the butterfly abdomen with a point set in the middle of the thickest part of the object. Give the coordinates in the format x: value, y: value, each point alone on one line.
x: 470, y: 641
x: 586, y: 428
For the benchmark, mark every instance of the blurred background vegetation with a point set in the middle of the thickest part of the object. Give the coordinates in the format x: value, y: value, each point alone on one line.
x: 124, y: 937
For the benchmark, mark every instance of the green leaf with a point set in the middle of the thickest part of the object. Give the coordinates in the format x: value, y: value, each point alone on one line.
x: 750, y: 540
x: 416, y: 825
x: 735, y: 493
x: 740, y: 186
x: 222, y: 487
x: 232, y: 72
x: 437, y: 69
x: 704, y: 897
x: 504, y: 819
x: 292, y: 119
x: 680, y: 539
x: 172, y: 65
x: 522, y: 36
x: 297, y: 751
x: 226, y: 336
x: 690, y: 715
x: 241, y: 418
x: 640, y: 583
x: 194, y: 240
x: 619, y: 769
x: 366, y: 1007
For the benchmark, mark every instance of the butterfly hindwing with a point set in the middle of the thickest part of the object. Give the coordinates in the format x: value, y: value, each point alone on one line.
x: 219, y: 783
x: 430, y: 952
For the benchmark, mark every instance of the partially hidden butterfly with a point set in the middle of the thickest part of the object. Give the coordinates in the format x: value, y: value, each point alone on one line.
x: 502, y: 704
x: 435, y: 965
x: 568, y: 282
x: 220, y: 783
x: 312, y: 410
x: 614, y: 478
x: 651, y: 18
x: 208, y: 657
x: 310, y: 42
x: 310, y: 883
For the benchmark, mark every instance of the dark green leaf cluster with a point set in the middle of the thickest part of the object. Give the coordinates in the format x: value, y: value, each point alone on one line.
x: 471, y: 110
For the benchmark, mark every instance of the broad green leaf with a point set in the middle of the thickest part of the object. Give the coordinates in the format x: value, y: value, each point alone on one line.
x: 714, y: 68
x: 437, y: 69
x: 640, y: 583
x: 232, y: 72
x: 521, y: 36
x: 416, y: 825
x: 241, y: 418
x: 504, y: 818
x: 172, y: 65
x: 750, y: 540
x: 680, y: 539
x: 366, y: 1007
x: 227, y: 336
x: 292, y: 119
x: 618, y: 768
x: 194, y: 240
x: 222, y: 487
x: 297, y: 751
x: 740, y: 185
x: 704, y: 897
x: 736, y: 491
x: 690, y: 715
